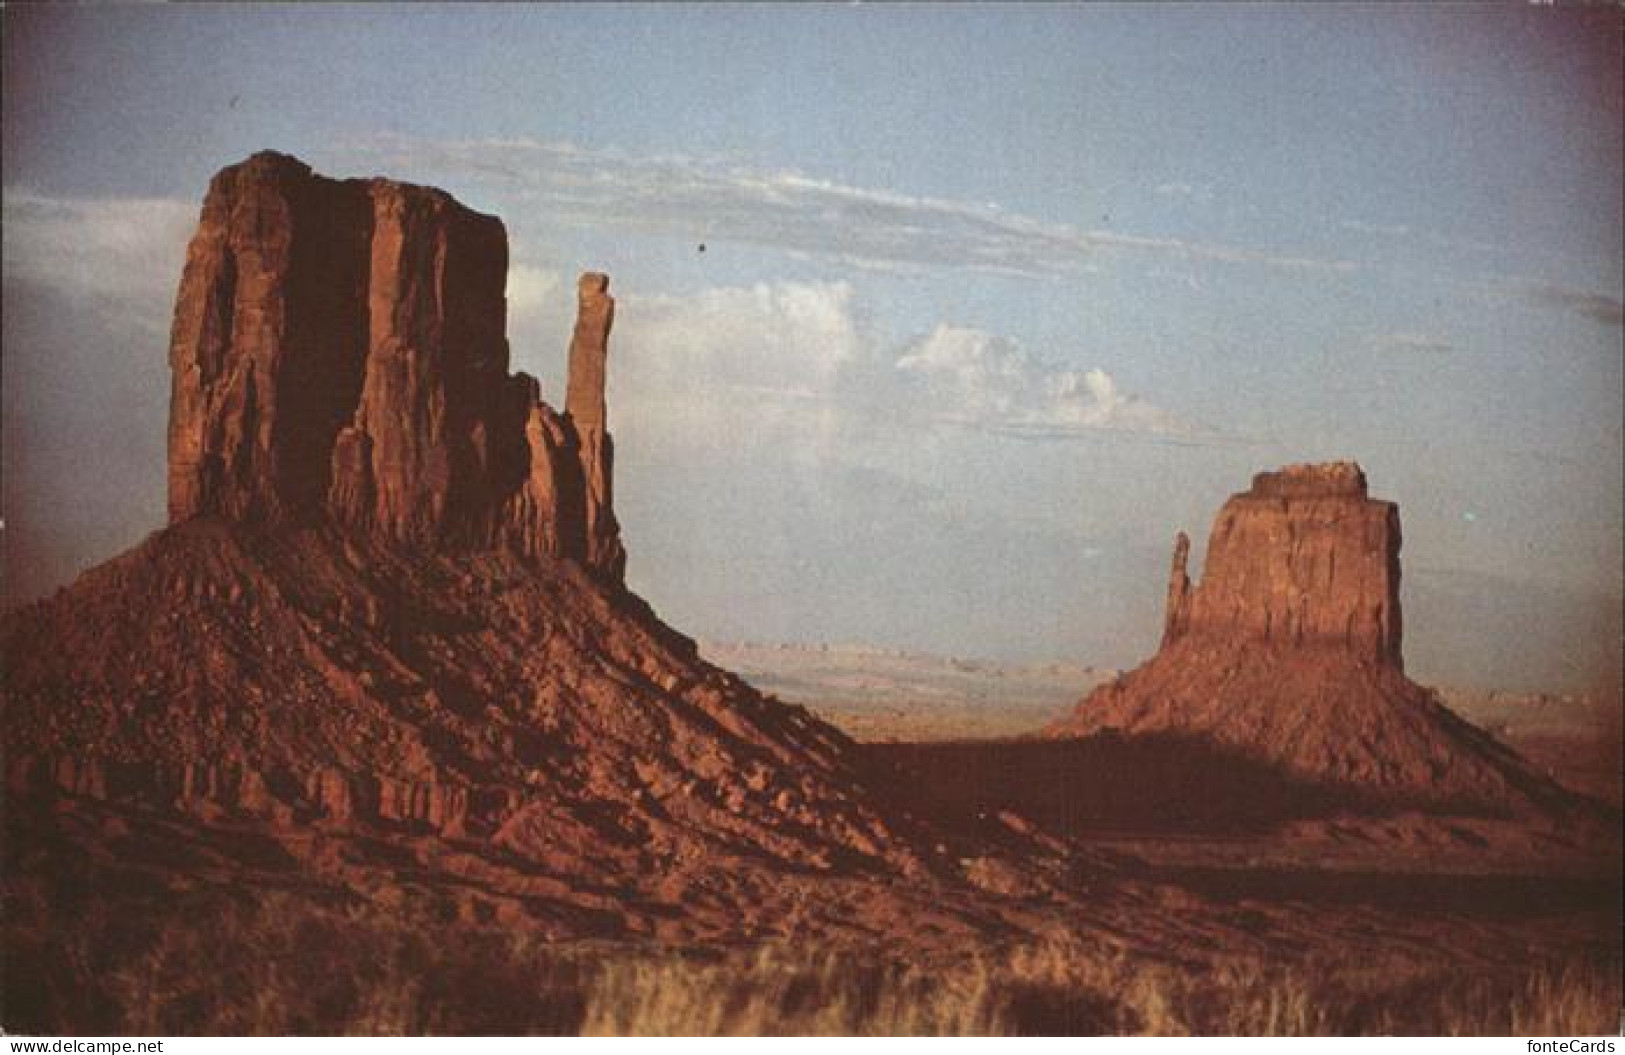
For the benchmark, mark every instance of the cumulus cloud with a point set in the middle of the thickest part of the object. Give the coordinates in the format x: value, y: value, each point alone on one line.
x: 531, y: 289
x: 799, y: 346
x: 791, y: 211
x: 1412, y: 342
x: 968, y: 376
x: 785, y: 338
x: 114, y: 255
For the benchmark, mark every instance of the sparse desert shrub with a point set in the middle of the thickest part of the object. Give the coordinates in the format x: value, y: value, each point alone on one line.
x: 1564, y: 1003
x: 286, y: 965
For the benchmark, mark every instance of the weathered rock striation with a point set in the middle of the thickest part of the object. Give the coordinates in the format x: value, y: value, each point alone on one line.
x: 1289, y: 650
x: 1304, y: 559
x: 339, y: 351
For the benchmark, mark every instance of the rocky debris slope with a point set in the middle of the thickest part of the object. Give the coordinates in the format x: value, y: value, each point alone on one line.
x: 316, y: 677
x: 1289, y: 650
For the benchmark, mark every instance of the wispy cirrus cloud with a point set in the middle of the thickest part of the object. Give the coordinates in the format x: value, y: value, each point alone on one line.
x: 1185, y: 190
x: 121, y: 258
x: 1599, y: 307
x: 117, y: 256
x: 1391, y: 230
x: 1403, y: 233
x: 716, y: 200
x: 1412, y: 342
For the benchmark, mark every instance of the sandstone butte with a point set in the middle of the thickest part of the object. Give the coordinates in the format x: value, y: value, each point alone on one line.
x: 390, y: 600
x: 1289, y: 651
x: 384, y: 647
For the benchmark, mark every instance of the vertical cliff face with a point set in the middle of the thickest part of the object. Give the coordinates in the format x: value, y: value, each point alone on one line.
x: 339, y: 351
x: 1303, y: 559
x: 432, y: 438
x: 269, y: 340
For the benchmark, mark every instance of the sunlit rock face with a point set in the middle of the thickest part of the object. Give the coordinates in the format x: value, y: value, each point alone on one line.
x: 339, y: 351
x: 1288, y: 651
x: 1304, y: 559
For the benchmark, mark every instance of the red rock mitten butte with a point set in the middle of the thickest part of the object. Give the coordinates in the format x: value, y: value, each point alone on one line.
x: 1288, y: 651
x: 389, y: 599
x: 339, y: 351
x: 1303, y: 559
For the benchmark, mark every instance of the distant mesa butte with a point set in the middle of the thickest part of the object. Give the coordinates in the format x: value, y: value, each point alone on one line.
x: 1289, y: 651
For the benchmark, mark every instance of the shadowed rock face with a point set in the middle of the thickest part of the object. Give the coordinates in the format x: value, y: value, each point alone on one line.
x: 338, y: 351
x: 269, y: 342
x: 1288, y: 651
x: 1303, y: 559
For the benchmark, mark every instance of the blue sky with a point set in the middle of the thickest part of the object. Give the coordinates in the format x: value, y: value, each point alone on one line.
x: 995, y: 299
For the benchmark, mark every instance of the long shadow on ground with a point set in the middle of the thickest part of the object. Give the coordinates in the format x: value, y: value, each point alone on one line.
x: 1170, y: 788
x: 1106, y: 784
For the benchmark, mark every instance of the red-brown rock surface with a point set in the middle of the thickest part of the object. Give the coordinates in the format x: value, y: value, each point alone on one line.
x: 339, y: 352
x: 589, y: 354
x: 380, y: 667
x: 269, y: 341
x: 317, y: 678
x: 1288, y: 651
x: 1303, y: 559
x: 388, y: 605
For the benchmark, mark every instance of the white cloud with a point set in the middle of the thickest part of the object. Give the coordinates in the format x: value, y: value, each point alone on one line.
x: 116, y: 255
x: 1200, y: 193
x: 795, y: 350
x: 1400, y: 232
x: 972, y: 377
x: 796, y: 347
x: 1391, y: 230
x: 789, y: 338
x: 758, y: 364
x: 531, y: 290
x: 715, y: 201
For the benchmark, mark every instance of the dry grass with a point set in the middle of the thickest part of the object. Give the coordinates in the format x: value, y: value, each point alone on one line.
x: 283, y: 966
